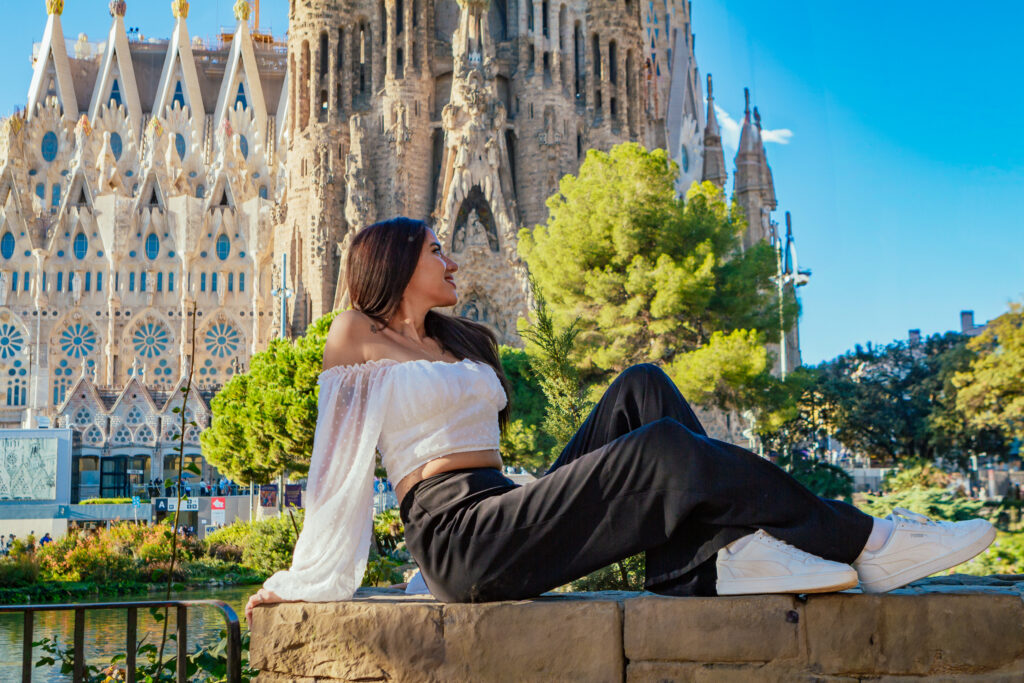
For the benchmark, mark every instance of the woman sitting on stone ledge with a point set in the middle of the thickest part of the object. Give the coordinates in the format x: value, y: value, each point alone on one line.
x: 428, y: 391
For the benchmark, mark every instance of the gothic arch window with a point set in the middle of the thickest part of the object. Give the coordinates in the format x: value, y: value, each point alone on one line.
x: 322, y: 55
x: 240, y: 97
x: 243, y: 146
x: 144, y: 435
x: 474, y: 223
x: 62, y: 380
x: 192, y: 435
x: 17, y: 384
x: 93, y: 436
x: 152, y: 246
x: 115, y: 94
x: 122, y: 437
x: 179, y: 145
x: 7, y: 245
x: 223, y: 247
x: 179, y: 96
x: 134, y: 417
x: 81, y: 245
x: 83, y: 417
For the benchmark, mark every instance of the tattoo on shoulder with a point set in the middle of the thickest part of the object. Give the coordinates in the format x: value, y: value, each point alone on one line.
x: 375, y: 328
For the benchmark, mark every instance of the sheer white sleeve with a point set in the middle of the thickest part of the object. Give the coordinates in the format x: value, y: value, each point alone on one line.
x: 331, y: 552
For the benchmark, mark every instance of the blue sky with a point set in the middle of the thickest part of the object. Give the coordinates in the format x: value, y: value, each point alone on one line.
x: 903, y: 168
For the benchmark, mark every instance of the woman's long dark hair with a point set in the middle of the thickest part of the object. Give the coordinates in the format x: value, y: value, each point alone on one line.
x: 381, y: 260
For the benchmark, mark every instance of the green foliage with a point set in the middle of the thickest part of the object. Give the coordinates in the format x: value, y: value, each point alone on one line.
x: 626, y: 575
x: 525, y: 443
x: 264, y: 420
x: 205, y: 665
x: 388, y: 530
x: 894, y: 403
x: 1004, y: 556
x: 990, y: 391
x: 110, y: 501
x: 652, y: 278
x: 822, y: 478
x: 935, y: 503
x: 912, y: 475
x: 548, y: 349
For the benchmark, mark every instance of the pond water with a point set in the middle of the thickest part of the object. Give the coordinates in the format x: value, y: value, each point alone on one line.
x: 105, y: 630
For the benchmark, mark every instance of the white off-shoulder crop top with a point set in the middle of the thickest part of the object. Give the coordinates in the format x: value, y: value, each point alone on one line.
x: 412, y: 411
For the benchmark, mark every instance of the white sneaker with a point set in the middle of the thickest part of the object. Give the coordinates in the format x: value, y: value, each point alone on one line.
x: 918, y: 547
x: 764, y: 564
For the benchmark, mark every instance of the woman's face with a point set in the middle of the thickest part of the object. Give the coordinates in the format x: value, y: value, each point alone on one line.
x: 433, y: 280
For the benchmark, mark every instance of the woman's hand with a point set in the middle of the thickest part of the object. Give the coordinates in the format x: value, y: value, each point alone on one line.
x: 259, y: 597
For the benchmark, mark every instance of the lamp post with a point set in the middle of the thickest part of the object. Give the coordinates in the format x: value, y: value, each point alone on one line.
x: 284, y: 291
x: 786, y: 273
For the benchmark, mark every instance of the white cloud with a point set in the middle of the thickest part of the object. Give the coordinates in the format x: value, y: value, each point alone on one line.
x: 731, y: 131
x: 779, y: 135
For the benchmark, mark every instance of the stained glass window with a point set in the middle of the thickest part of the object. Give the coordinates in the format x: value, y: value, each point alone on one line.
x: 222, y: 340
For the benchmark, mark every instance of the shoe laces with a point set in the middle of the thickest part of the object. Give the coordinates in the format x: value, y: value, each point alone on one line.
x: 779, y: 544
x: 899, y: 514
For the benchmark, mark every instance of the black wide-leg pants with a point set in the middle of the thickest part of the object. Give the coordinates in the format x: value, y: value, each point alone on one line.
x: 639, y: 475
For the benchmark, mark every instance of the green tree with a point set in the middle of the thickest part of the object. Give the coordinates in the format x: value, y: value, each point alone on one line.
x: 896, y: 402
x: 990, y: 392
x: 264, y: 420
x: 654, y: 278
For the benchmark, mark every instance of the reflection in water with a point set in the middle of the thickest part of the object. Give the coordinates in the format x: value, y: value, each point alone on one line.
x: 105, y: 630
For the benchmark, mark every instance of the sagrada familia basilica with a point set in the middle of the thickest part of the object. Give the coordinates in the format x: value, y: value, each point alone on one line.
x: 145, y: 176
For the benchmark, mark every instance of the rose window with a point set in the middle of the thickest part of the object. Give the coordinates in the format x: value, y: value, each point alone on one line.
x: 222, y: 340
x: 11, y: 341
x: 77, y: 340
x: 150, y: 340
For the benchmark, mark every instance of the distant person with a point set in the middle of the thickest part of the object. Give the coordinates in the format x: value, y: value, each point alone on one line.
x: 45, y: 539
x: 428, y: 390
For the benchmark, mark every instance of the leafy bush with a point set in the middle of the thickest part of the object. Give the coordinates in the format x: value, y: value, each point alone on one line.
x: 822, y: 478
x: 109, y: 501
x: 1004, y: 556
x: 20, y: 570
x: 915, y: 475
x: 935, y: 503
x: 627, y: 575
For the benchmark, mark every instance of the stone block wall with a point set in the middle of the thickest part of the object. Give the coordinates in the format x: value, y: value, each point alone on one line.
x: 943, y: 629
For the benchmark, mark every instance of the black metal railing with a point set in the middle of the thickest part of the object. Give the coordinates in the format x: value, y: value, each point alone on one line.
x: 234, y: 634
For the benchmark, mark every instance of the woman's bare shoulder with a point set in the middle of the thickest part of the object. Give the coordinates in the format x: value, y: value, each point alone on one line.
x: 348, y: 338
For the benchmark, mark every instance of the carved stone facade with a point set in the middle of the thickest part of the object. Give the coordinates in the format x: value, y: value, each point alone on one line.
x: 140, y: 179
x: 466, y: 113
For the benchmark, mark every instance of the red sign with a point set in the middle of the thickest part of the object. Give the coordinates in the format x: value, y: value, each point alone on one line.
x: 217, y: 504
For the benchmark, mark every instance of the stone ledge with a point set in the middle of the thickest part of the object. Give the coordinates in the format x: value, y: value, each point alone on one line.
x: 945, y: 628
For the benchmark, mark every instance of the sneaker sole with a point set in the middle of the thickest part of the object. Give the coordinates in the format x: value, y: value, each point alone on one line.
x: 814, y: 583
x: 938, y: 564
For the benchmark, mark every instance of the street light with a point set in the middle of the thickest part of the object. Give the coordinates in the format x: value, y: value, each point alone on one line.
x: 787, y: 273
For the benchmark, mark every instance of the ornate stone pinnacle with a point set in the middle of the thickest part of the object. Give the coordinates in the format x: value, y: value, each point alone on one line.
x: 55, y: 7
x: 242, y: 10
x: 118, y: 8
x: 84, y: 125
x: 156, y: 129
x: 179, y: 8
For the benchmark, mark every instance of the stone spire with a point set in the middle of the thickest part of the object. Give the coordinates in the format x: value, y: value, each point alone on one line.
x: 117, y: 8
x: 767, y: 182
x: 179, y: 8
x: 714, y: 157
x: 52, y: 72
x: 748, y: 178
